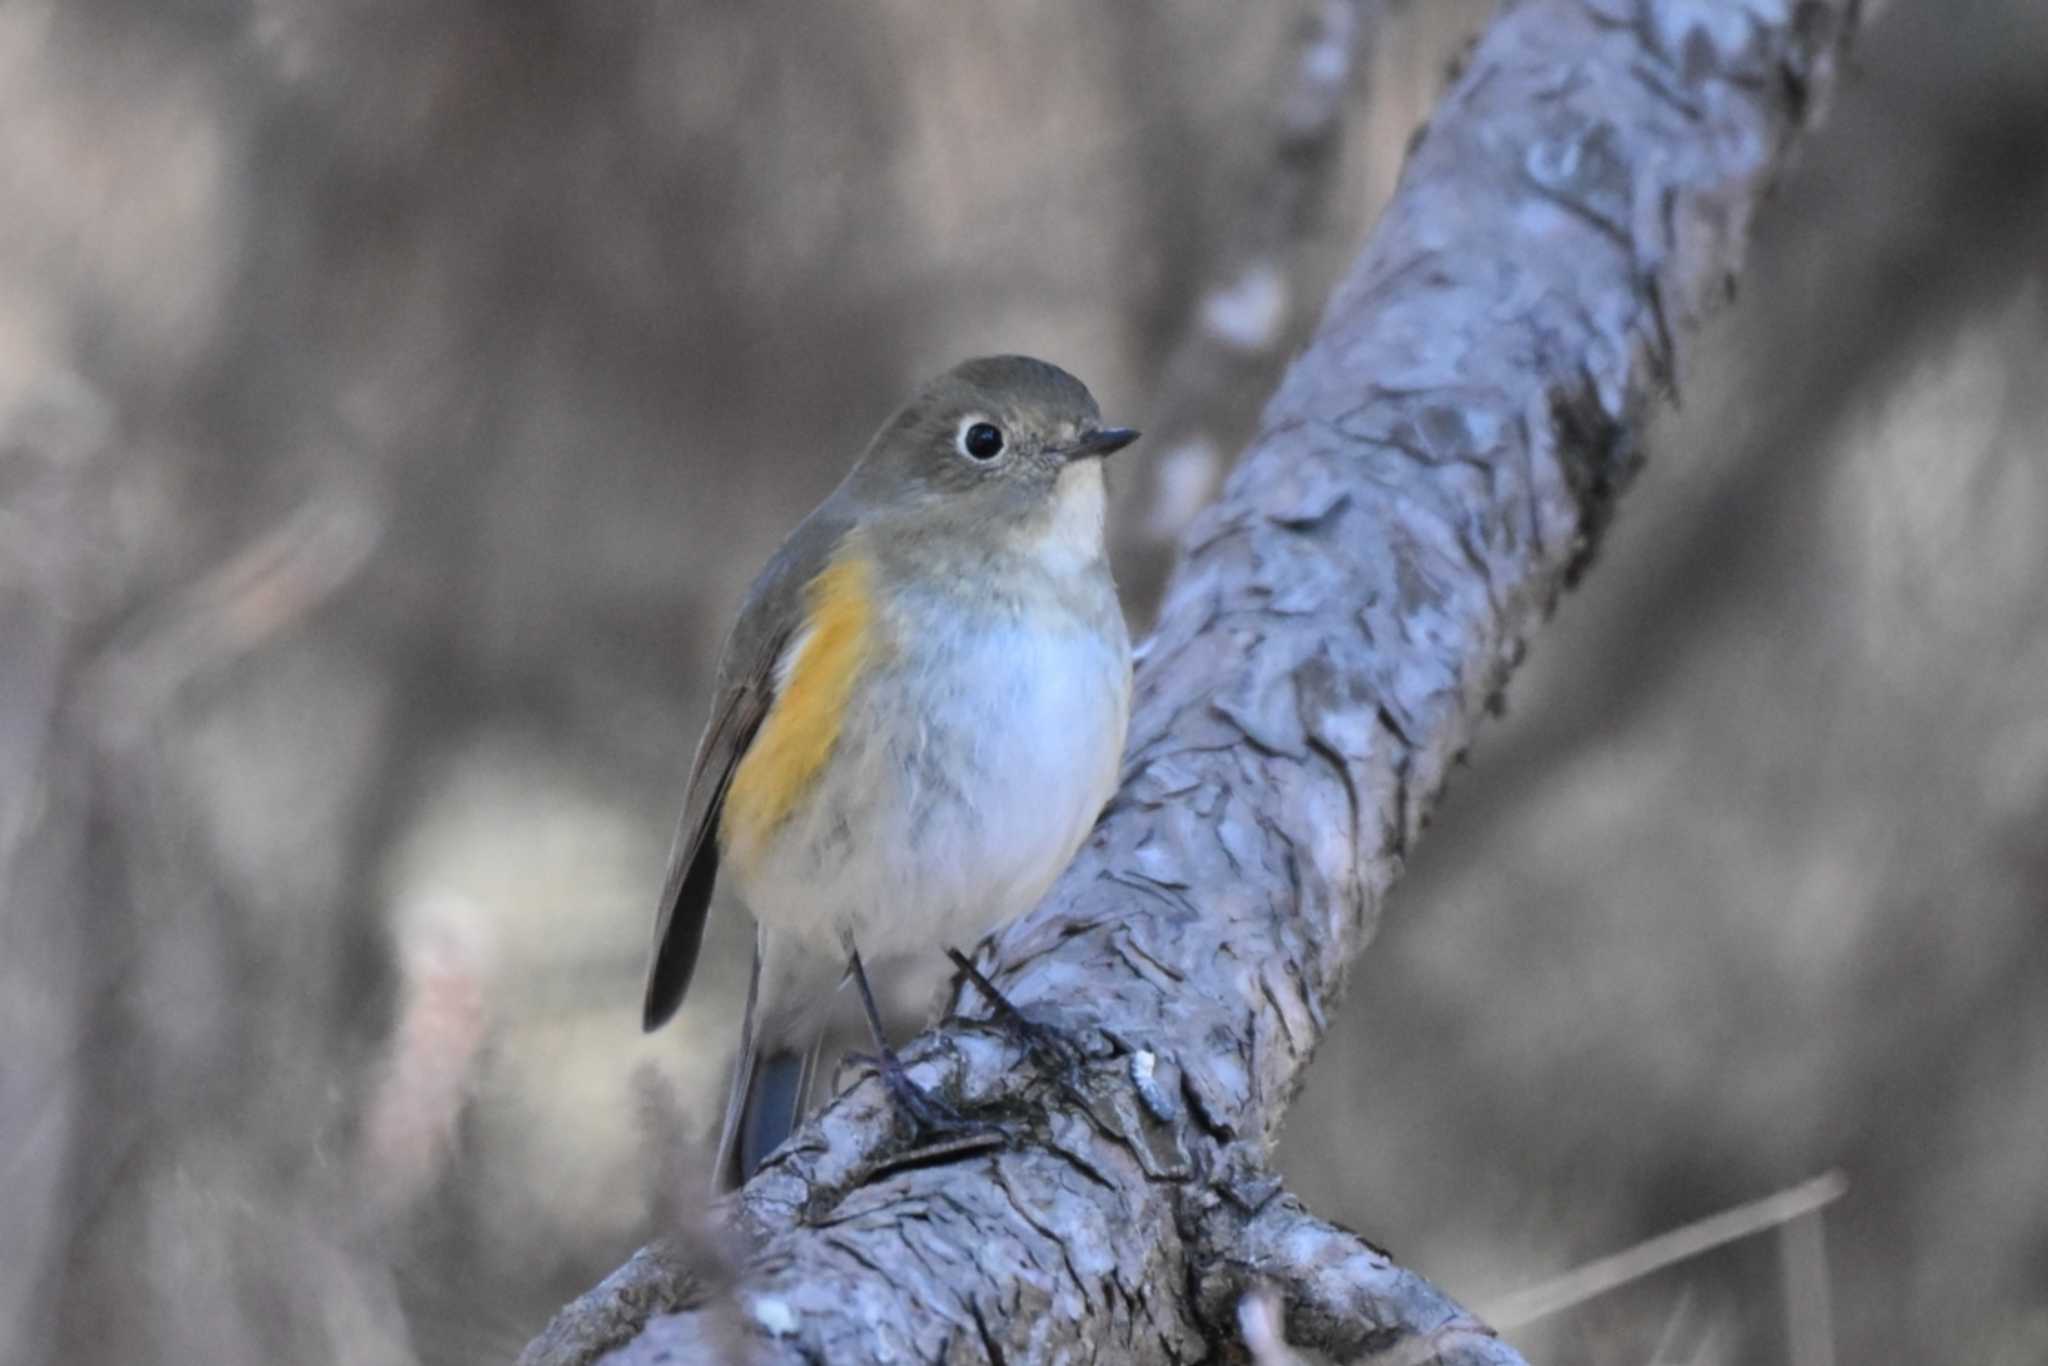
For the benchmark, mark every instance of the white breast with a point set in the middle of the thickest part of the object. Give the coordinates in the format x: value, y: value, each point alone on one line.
x: 970, y: 770
x: 1045, y: 744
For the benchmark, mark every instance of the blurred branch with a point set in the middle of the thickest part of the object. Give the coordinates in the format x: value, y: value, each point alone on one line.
x: 1228, y: 358
x: 1809, y: 1313
x: 1432, y: 473
x: 268, y: 585
x: 1797, y: 1205
x: 53, y: 446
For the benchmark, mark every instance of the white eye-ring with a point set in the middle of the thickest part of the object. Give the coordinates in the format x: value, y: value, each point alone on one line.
x: 979, y: 439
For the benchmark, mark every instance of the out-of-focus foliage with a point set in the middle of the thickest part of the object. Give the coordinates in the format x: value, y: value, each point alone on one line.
x: 395, y: 400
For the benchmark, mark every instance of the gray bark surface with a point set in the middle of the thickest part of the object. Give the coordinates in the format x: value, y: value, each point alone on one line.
x: 1431, y: 474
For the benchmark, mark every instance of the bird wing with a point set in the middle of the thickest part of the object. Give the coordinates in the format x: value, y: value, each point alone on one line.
x: 770, y: 619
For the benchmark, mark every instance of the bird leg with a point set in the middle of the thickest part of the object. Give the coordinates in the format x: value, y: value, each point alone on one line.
x: 926, y: 1112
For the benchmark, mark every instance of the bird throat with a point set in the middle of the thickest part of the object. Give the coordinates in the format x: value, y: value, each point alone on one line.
x: 1070, y: 539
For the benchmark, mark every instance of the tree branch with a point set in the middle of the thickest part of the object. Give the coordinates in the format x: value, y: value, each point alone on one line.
x: 1433, y: 471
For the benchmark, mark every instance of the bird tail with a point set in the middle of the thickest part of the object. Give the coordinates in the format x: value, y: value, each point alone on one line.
x: 767, y: 1097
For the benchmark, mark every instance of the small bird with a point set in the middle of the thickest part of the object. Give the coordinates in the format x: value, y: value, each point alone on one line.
x: 918, y: 717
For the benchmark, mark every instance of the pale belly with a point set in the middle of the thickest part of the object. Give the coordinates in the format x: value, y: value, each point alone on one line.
x: 964, y: 779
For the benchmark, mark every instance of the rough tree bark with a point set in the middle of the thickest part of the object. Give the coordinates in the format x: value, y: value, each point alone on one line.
x: 1432, y: 472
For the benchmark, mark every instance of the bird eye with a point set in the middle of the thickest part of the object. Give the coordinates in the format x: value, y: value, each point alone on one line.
x: 981, y: 440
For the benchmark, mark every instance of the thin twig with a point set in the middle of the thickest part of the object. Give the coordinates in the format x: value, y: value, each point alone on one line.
x: 1666, y: 1249
x: 1809, y: 1317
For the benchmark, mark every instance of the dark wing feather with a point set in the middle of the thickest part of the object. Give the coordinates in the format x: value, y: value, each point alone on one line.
x: 693, y: 861
x: 746, y: 690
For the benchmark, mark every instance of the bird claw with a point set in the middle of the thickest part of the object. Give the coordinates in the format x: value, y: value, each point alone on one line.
x: 928, y: 1115
x: 1049, y: 1045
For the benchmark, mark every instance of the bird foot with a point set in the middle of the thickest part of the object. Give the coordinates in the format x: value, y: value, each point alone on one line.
x: 1049, y: 1045
x: 929, y: 1116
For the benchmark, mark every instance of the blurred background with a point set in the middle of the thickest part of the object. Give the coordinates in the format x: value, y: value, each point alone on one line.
x: 395, y: 401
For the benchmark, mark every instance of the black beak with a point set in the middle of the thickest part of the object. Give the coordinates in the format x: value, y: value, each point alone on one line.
x: 1101, y: 441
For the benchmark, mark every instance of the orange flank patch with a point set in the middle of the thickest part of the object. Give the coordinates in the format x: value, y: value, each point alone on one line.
x: 814, y: 682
